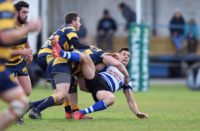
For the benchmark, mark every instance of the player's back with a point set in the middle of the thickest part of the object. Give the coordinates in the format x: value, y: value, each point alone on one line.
x: 65, y: 35
x: 95, y: 54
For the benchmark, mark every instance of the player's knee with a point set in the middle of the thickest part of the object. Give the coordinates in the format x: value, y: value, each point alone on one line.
x: 28, y: 91
x: 61, y: 96
x: 19, y: 106
x: 110, y: 99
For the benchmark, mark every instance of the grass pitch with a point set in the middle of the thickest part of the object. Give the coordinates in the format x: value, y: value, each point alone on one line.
x: 170, y: 108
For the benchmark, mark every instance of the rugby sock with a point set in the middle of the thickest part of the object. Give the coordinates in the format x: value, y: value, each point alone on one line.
x: 74, y: 108
x: 36, y: 103
x: 100, y: 105
x: 73, y: 56
x: 67, y: 107
x: 45, y: 104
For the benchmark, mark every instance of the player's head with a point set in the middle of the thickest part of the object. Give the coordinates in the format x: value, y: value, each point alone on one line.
x: 22, y: 9
x: 124, y: 56
x: 73, y: 19
x: 121, y: 5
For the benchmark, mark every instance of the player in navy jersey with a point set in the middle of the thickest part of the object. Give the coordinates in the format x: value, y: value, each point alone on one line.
x: 105, y: 83
x: 97, y: 56
x: 21, y: 51
x: 9, y: 91
x: 60, y: 70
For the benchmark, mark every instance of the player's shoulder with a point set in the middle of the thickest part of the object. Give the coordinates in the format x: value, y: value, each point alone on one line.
x: 68, y: 29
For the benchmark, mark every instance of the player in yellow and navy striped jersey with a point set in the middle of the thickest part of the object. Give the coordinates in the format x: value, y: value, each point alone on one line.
x: 9, y: 91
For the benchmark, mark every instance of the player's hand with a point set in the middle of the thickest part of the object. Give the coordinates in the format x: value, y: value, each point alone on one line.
x: 33, y: 26
x: 27, y: 52
x: 29, y: 59
x: 142, y: 115
x: 54, y: 54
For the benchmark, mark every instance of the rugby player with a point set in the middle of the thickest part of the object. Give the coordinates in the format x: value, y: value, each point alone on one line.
x: 97, y: 56
x: 103, y: 86
x: 68, y: 40
x: 21, y: 51
x: 9, y: 91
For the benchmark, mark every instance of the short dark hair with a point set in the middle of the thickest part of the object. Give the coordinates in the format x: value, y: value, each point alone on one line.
x: 124, y: 49
x: 105, y: 12
x: 72, y: 16
x: 122, y: 5
x: 20, y: 4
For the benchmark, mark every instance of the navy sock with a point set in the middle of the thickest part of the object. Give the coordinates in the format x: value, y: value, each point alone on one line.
x: 36, y: 103
x: 100, y: 105
x: 48, y: 102
x: 73, y: 56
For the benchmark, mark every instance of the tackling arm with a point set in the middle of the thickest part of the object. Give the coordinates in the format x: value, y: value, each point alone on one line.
x: 110, y: 61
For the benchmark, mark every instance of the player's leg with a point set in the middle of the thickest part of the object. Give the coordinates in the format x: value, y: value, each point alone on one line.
x: 60, y: 77
x: 105, y: 99
x: 87, y: 66
x: 23, y: 78
x: 72, y: 99
x: 71, y: 104
x: 57, y: 98
x: 25, y: 83
x: 69, y: 55
x: 18, y: 104
x: 82, y: 84
x: 101, y: 94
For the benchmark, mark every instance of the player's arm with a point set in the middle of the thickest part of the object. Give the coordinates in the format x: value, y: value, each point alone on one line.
x: 10, y: 36
x: 110, y: 61
x: 25, y: 52
x: 29, y: 57
x: 133, y: 105
x: 77, y: 45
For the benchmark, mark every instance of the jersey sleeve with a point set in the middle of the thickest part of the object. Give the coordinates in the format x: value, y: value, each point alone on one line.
x: 72, y: 36
x: 129, y: 86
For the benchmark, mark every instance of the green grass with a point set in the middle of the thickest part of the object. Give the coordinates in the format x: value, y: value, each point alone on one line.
x: 171, y: 108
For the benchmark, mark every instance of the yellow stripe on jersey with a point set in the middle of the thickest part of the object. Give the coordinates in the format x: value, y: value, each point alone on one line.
x: 2, y: 68
x: 17, y: 46
x: 69, y: 27
x: 5, y: 53
x: 8, y: 6
x: 49, y: 58
x: 71, y: 35
x: 9, y: 22
x: 59, y: 60
x: 6, y: 23
x: 16, y: 57
x: 45, y: 50
x: 66, y: 46
x: 88, y: 51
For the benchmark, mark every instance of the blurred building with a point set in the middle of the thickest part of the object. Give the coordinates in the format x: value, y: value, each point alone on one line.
x: 154, y: 12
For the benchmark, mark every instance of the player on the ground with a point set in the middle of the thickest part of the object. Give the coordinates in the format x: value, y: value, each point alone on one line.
x: 9, y: 91
x: 97, y: 57
x: 103, y: 86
